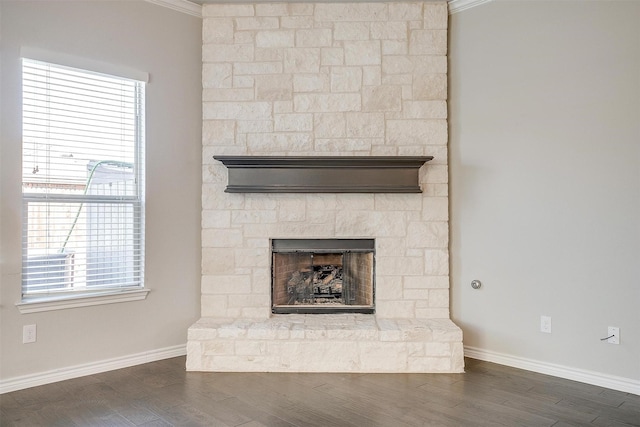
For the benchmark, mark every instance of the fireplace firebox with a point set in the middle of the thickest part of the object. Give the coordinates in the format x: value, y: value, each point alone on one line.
x: 315, y: 276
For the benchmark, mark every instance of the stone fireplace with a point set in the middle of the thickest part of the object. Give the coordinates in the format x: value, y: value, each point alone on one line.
x: 325, y: 79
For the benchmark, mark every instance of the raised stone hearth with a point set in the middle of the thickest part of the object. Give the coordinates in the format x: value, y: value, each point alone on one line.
x: 325, y: 343
x: 325, y: 79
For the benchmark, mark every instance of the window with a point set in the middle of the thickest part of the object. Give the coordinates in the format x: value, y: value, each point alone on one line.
x: 82, y: 182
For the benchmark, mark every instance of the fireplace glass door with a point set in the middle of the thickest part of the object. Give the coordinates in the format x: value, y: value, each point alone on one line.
x: 322, y: 275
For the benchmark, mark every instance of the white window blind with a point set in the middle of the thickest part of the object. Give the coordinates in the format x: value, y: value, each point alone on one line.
x: 82, y: 181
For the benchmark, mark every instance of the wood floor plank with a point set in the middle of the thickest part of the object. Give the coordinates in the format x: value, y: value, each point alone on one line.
x: 162, y: 394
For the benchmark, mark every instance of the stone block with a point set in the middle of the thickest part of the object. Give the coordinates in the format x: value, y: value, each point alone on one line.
x: 215, y: 129
x: 351, y: 31
x: 398, y: 202
x: 244, y: 38
x: 399, y: 266
x: 405, y: 11
x: 252, y: 217
x: 227, y: 10
x: 217, y: 30
x: 426, y: 282
x: 293, y: 123
x: 296, y: 22
x: 254, y: 126
x: 291, y: 210
x: 394, y: 47
x: 215, y: 52
x: 430, y: 87
x: 383, y: 357
x: 216, y: 219
x: 221, y: 238
x: 248, y: 300
x: 253, y: 348
x: 275, y: 38
x: 326, y: 103
x: 428, y: 42
x: 439, y: 298
x: 303, y: 9
x: 366, y: 223
x: 315, y: 82
x: 362, y: 52
x: 252, y: 68
x: 381, y: 98
x: 236, y: 110
x: 388, y: 288
x: 317, y: 37
x: 269, y: 54
x: 214, y: 348
x: 392, y: 30
x: 391, y: 246
x: 354, y: 202
x: 366, y: 12
x: 417, y: 132
x: 226, y: 284
x: 457, y: 357
x: 424, y: 109
x: 259, y: 230
x: 216, y: 75
x: 346, y: 79
x: 436, y: 174
x: 428, y: 234
x: 321, y: 202
x: 251, y: 257
x: 371, y: 75
x: 436, y: 262
x: 217, y: 261
x: 436, y: 16
x: 331, y: 56
x: 416, y: 295
x: 287, y: 142
x: 435, y: 209
x: 280, y: 107
x: 256, y: 23
x: 272, y: 9
x: 274, y: 87
x: 429, y: 364
x: 243, y: 81
x: 302, y: 60
x: 224, y: 95
x: 342, y: 145
x: 213, y: 305
x: 330, y: 125
x: 365, y: 125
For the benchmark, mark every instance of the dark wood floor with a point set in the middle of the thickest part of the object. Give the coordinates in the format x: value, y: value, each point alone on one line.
x: 163, y: 394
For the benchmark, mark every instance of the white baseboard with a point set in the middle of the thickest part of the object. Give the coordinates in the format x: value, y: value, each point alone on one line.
x: 589, y: 377
x: 48, y: 377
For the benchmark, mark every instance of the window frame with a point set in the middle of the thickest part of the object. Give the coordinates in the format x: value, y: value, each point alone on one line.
x: 35, y: 301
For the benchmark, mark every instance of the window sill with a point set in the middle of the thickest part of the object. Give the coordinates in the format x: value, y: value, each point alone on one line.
x: 37, y: 305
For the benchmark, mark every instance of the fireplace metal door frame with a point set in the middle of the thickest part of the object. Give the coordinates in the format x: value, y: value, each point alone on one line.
x: 323, y: 246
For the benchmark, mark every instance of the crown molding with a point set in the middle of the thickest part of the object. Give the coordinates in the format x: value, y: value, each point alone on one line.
x: 456, y: 6
x: 184, y: 6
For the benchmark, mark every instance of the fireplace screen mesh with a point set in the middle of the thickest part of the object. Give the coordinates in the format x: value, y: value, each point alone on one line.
x: 321, y: 279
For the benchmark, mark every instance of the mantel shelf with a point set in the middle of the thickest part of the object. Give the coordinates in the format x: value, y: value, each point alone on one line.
x: 323, y: 174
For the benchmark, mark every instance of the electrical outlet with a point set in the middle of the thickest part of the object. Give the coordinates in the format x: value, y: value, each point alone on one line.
x: 28, y: 334
x: 614, y: 333
x: 545, y: 324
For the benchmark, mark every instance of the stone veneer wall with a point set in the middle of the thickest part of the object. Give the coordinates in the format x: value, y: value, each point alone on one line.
x: 325, y: 79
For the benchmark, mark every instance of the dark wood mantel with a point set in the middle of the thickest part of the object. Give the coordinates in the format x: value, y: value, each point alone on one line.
x: 323, y: 174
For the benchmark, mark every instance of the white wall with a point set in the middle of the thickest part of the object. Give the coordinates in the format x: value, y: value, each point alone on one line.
x: 545, y: 180
x: 167, y: 45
